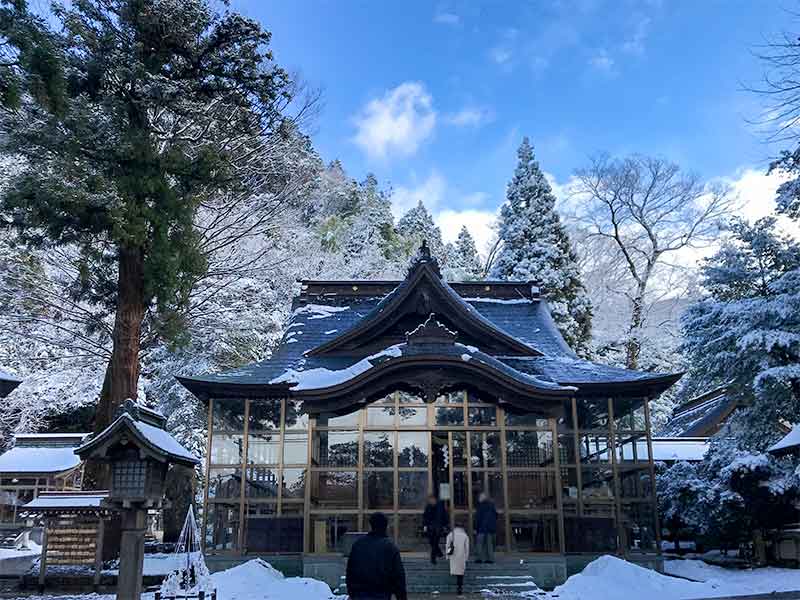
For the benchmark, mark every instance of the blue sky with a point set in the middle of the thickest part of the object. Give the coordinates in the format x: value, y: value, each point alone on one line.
x: 435, y: 97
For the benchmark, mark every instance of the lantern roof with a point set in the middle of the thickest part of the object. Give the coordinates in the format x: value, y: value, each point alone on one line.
x: 145, y: 428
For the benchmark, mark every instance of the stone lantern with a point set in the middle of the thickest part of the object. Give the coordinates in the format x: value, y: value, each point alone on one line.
x: 139, y: 451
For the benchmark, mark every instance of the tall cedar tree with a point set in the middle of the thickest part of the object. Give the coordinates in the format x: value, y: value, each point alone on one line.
x: 535, y: 246
x: 156, y: 106
x: 417, y: 225
x: 465, y: 259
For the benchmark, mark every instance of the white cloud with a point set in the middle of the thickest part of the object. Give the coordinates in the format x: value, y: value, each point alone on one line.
x: 756, y: 192
x: 447, y: 18
x: 430, y: 191
x: 602, y: 61
x: 635, y: 43
x: 501, y: 55
x: 480, y: 224
x: 470, y: 116
x: 397, y: 123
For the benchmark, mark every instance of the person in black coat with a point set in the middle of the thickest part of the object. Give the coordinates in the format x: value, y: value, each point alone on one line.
x: 435, y: 522
x: 374, y: 568
x: 485, y: 529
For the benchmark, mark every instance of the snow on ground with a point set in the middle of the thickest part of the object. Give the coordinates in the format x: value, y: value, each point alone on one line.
x: 13, y: 553
x: 611, y: 578
x: 745, y: 581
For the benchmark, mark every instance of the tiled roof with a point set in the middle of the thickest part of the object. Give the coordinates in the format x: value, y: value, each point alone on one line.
x: 318, y: 319
x: 8, y: 383
x: 700, y: 417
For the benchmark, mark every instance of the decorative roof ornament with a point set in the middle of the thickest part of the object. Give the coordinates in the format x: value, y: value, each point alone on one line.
x: 424, y: 257
x: 431, y: 332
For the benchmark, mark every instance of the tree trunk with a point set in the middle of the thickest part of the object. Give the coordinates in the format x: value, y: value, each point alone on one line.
x: 179, y: 491
x: 633, y: 347
x: 122, y: 373
x: 759, y: 548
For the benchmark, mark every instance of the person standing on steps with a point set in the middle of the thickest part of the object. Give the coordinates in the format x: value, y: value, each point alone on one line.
x: 435, y: 522
x: 457, y: 545
x: 485, y: 529
x: 374, y: 568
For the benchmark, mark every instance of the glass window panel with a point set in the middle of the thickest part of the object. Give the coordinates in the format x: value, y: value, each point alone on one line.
x: 226, y: 449
x: 496, y: 491
x: 638, y: 522
x: 529, y: 448
x: 334, y: 489
x: 449, y: 416
x: 478, y: 486
x: 295, y: 448
x: 330, y: 420
x: 379, y: 448
x: 569, y: 484
x: 413, y: 416
x: 228, y: 415
x: 482, y: 415
x: 328, y: 532
x: 263, y: 448
x: 533, y: 490
x: 413, y: 449
x: 294, y: 484
x: 387, y: 399
x: 534, y: 533
x: 591, y: 534
x: 224, y: 483
x: 296, y: 419
x: 459, y: 449
x: 336, y: 448
x: 409, y: 398
x: 262, y: 529
x: 476, y: 398
x: 598, y: 482
x: 566, y: 448
x: 413, y: 489
x: 379, y: 490
x: 635, y: 483
x: 411, y: 537
x: 381, y: 416
x: 265, y: 414
x: 485, y: 449
x: 594, y: 448
x: 262, y: 482
x: 460, y: 489
x: 526, y: 420
x: 222, y: 527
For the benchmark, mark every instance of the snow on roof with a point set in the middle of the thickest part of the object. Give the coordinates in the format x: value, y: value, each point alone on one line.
x: 163, y: 440
x: 27, y: 459
x: 5, y: 375
x: 67, y: 501
x: 789, y: 442
x: 676, y: 449
x: 49, y: 436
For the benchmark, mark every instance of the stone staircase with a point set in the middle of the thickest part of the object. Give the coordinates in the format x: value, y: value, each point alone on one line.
x: 507, y: 577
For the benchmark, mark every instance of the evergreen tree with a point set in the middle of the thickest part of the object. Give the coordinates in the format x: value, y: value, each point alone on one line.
x: 464, y: 264
x: 165, y: 105
x: 417, y: 225
x: 535, y: 246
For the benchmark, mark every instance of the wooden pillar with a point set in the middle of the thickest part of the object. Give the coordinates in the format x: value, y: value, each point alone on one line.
x: 43, y: 559
x: 559, y: 487
x: 651, y: 466
x: 204, y: 523
x: 612, y: 449
x: 312, y: 426
x: 501, y: 414
x: 243, y: 483
x: 577, y: 438
x: 98, y: 552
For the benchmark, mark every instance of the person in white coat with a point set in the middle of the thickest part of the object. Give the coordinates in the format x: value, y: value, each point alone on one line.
x: 457, y: 546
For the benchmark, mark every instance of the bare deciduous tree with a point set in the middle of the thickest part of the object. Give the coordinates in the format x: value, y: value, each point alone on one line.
x: 650, y: 211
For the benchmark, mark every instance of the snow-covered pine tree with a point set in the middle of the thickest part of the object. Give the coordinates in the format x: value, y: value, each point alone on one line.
x: 464, y: 263
x: 417, y: 225
x: 535, y: 246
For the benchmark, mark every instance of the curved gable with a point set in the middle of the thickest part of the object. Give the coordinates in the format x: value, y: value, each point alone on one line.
x: 423, y: 292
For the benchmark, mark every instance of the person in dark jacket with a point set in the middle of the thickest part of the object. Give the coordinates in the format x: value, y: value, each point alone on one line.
x: 486, y: 529
x: 435, y: 521
x: 374, y: 567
